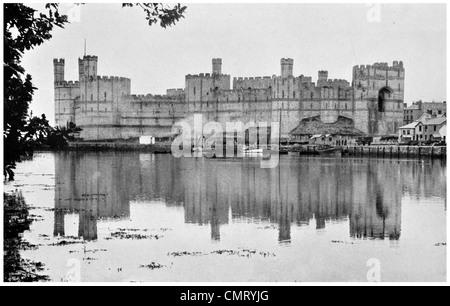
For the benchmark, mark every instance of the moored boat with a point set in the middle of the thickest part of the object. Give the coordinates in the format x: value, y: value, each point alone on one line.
x: 326, y: 149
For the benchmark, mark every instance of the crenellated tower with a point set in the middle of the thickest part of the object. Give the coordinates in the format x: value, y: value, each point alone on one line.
x: 58, y: 65
x: 322, y: 77
x: 287, y: 67
x: 87, y: 67
x: 216, y: 66
x: 65, y: 95
x: 379, y: 94
x: 199, y: 87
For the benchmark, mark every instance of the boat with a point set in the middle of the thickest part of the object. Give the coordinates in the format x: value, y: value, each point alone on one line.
x: 162, y: 150
x: 284, y: 151
x: 326, y: 149
x: 252, y: 151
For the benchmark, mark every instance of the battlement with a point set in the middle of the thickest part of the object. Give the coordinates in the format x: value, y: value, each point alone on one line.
x: 336, y: 82
x: 204, y: 76
x: 89, y: 58
x: 150, y: 98
x: 58, y: 61
x: 288, y: 61
x: 74, y: 84
x: 175, y: 92
x: 251, y: 78
x: 396, y: 65
x: 323, y: 73
x: 248, y: 90
x: 217, y: 61
x: 112, y: 79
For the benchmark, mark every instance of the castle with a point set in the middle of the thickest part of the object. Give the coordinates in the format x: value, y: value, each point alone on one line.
x: 105, y: 108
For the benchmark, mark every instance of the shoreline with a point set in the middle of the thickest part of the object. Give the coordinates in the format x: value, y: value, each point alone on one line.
x: 437, y: 152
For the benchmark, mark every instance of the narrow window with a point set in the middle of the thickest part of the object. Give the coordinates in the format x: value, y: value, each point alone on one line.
x: 293, y: 94
x: 92, y: 97
x: 282, y: 94
x: 105, y: 94
x: 194, y: 91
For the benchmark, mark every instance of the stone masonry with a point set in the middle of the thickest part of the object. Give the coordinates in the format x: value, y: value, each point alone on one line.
x: 105, y: 108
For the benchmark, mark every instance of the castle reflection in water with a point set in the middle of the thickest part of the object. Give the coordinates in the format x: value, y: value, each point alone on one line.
x: 366, y: 193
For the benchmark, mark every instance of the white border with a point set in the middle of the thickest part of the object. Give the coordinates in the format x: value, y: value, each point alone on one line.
x: 208, y: 284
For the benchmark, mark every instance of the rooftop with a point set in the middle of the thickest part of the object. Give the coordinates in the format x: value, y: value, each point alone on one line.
x: 435, y: 121
x: 412, y: 125
x: 314, y: 126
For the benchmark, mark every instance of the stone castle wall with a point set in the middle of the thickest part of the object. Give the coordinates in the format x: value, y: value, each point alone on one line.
x: 105, y: 109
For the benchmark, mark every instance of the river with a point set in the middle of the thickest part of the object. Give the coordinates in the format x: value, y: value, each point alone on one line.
x: 126, y: 216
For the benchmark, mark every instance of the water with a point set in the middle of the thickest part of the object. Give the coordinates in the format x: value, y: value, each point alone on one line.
x: 143, y: 217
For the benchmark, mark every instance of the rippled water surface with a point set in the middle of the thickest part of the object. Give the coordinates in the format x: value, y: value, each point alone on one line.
x: 140, y: 217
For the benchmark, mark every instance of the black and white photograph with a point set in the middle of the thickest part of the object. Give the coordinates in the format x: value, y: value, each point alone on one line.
x: 224, y: 143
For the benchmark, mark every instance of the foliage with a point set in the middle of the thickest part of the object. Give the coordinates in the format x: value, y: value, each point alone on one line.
x: 16, y: 220
x: 40, y: 135
x: 24, y: 28
x: 166, y: 15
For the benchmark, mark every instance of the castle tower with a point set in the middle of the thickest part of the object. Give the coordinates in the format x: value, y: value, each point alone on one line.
x: 216, y: 66
x: 378, y: 92
x: 65, y: 94
x: 58, y: 65
x: 323, y: 77
x: 87, y: 67
x: 287, y: 65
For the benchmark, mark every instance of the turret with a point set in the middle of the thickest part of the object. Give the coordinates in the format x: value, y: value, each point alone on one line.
x: 323, y: 77
x: 287, y: 65
x: 58, y: 65
x: 87, y: 67
x: 216, y: 66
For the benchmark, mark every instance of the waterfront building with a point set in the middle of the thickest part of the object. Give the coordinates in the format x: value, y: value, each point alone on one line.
x: 417, y: 109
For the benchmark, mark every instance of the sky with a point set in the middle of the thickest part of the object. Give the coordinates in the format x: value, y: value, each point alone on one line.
x: 251, y: 39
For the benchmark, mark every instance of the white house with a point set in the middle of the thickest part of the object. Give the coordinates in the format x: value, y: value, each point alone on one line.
x: 410, y: 132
